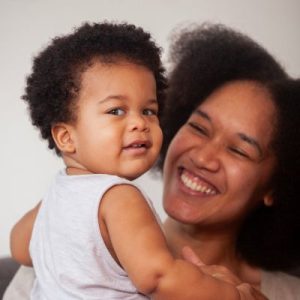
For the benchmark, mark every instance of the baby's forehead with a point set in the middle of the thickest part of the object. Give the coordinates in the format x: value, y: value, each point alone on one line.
x: 107, y: 63
x: 123, y: 81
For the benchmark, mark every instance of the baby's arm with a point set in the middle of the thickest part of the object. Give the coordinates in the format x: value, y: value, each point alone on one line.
x: 141, y: 249
x: 20, y: 237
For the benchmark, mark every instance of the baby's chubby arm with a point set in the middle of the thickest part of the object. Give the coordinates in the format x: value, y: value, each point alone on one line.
x: 20, y: 237
x: 140, y: 247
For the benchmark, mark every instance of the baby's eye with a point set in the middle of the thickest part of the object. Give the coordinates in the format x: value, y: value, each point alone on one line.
x: 149, y: 112
x: 116, y: 111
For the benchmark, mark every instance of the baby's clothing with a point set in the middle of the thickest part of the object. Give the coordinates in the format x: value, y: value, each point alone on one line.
x: 275, y: 285
x: 69, y: 256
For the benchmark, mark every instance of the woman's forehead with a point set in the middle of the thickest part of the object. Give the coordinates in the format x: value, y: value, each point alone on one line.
x: 241, y: 106
x: 245, y: 98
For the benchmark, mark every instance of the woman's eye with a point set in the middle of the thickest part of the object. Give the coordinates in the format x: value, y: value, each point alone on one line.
x: 116, y: 111
x: 239, y: 152
x: 199, y: 128
x: 149, y: 112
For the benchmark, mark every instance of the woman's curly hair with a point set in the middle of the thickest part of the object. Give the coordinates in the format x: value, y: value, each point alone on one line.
x: 54, y: 84
x: 203, y: 59
x: 270, y: 235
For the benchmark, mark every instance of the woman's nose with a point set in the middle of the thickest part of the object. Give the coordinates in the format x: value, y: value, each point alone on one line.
x: 138, y: 122
x: 206, y: 157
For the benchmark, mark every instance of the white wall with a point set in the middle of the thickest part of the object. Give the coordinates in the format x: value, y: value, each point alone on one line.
x: 27, y: 25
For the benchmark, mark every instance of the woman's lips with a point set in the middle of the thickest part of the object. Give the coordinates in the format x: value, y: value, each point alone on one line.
x: 195, y: 183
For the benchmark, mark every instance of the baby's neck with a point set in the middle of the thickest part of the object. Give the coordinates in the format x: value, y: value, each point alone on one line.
x: 77, y: 171
x: 73, y: 166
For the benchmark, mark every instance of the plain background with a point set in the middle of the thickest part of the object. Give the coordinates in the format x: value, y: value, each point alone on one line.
x: 27, y: 166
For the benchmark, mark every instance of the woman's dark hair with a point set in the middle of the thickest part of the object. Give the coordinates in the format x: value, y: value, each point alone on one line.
x: 207, y: 57
x: 203, y: 59
x: 54, y: 84
x: 270, y: 236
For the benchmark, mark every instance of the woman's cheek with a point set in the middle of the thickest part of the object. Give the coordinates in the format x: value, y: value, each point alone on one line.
x: 180, y: 142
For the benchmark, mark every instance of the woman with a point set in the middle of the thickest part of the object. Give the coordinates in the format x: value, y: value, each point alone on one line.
x: 223, y: 155
x: 231, y: 158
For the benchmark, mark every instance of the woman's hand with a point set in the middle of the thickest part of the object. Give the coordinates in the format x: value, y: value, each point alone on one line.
x: 20, y: 237
x: 247, y: 292
x: 216, y: 271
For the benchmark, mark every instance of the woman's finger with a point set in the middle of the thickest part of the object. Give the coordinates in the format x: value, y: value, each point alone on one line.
x: 189, y: 255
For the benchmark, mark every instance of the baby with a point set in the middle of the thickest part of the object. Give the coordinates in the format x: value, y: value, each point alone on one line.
x: 95, y: 96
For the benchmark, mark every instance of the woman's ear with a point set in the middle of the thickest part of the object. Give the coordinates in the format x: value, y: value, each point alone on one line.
x: 62, y: 135
x: 268, y: 199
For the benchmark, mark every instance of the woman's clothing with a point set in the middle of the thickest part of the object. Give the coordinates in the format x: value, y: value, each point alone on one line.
x: 21, y: 285
x: 68, y: 253
x: 280, y: 286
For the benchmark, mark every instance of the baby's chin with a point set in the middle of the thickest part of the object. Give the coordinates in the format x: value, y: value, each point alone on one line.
x: 134, y: 174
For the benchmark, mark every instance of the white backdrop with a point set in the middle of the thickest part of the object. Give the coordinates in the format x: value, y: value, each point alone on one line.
x: 27, y: 25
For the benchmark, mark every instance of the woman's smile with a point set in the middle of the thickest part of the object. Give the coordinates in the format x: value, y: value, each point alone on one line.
x: 212, y: 173
x: 195, y: 184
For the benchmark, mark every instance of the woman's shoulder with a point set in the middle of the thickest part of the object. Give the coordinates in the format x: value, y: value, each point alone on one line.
x: 279, y: 285
x: 21, y: 284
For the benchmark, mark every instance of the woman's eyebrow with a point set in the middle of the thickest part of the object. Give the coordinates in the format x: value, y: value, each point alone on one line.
x: 202, y: 114
x: 252, y: 142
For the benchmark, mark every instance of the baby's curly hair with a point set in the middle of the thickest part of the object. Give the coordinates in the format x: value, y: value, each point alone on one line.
x: 205, y: 58
x: 54, y: 84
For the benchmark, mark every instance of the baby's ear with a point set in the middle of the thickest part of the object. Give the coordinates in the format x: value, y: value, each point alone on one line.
x: 62, y: 135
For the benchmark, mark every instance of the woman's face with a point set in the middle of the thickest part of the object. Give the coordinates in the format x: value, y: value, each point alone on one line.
x: 219, y: 164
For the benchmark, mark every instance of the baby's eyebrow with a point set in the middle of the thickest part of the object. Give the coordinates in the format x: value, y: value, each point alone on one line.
x: 154, y: 101
x: 251, y: 141
x: 112, y: 97
x: 123, y: 98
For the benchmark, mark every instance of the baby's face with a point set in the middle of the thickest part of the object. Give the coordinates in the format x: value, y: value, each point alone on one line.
x: 117, y: 129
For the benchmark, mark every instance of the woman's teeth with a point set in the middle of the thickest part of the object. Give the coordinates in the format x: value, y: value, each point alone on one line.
x: 195, y: 185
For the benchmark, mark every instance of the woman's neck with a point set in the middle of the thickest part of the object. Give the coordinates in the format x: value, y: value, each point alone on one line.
x: 212, y: 246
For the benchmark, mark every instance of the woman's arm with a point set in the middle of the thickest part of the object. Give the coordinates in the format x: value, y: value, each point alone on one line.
x: 140, y: 247
x: 20, y: 237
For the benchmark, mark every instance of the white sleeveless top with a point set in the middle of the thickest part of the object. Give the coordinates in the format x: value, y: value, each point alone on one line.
x: 69, y: 256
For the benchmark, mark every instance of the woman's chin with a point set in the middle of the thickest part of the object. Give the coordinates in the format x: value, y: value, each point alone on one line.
x: 180, y: 214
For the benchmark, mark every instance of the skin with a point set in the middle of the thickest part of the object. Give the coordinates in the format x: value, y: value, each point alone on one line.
x: 117, y: 107
x: 217, y: 169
